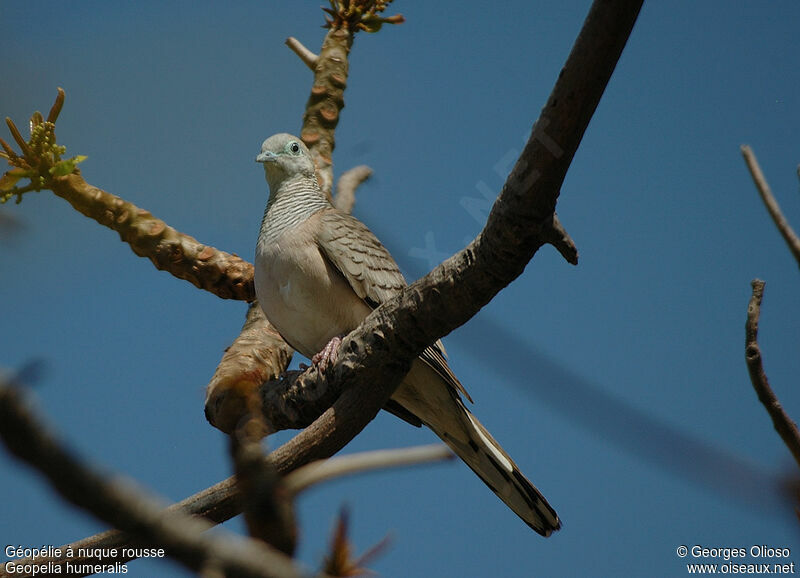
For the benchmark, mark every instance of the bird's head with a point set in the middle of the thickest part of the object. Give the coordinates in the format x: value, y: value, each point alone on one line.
x: 285, y: 156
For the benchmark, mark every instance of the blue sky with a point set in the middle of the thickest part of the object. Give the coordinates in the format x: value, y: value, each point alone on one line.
x: 618, y: 386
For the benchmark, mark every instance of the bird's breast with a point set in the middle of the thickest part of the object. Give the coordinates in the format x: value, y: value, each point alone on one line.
x: 306, y: 299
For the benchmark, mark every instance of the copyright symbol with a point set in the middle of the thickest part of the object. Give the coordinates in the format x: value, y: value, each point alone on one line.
x: 682, y: 551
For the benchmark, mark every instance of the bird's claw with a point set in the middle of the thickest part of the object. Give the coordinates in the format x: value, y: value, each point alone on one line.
x: 327, y: 357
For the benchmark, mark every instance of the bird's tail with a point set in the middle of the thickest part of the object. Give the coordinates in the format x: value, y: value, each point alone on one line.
x: 429, y: 396
x: 479, y: 450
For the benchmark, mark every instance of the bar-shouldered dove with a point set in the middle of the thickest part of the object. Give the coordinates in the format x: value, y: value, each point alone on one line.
x: 319, y: 272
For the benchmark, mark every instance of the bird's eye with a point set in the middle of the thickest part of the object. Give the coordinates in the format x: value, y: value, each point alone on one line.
x: 294, y: 147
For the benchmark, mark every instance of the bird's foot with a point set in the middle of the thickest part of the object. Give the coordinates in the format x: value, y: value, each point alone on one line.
x: 327, y: 357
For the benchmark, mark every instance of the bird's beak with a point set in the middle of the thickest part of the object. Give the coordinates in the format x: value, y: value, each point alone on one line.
x: 266, y: 157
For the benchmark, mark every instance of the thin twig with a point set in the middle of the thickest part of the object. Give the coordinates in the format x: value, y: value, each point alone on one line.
x: 346, y: 187
x: 560, y: 239
x: 783, y: 424
x: 324, y: 470
x: 123, y: 505
x: 774, y: 209
x: 21, y: 142
x: 304, y: 53
x: 55, y: 110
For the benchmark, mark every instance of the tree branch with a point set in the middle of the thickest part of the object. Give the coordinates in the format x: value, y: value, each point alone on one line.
x: 558, y: 237
x: 326, y: 101
x: 297, y: 397
x: 120, y: 503
x: 257, y: 355
x: 330, y: 78
x: 221, y: 502
x: 774, y: 209
x: 783, y: 424
x: 324, y: 470
x: 224, y: 274
x: 346, y: 187
x: 267, y: 505
x: 41, y: 162
x: 308, y: 57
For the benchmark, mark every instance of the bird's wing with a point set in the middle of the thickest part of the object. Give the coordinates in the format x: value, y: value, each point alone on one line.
x: 373, y: 274
x: 366, y: 264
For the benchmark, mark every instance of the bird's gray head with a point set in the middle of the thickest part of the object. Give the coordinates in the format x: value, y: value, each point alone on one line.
x: 285, y: 156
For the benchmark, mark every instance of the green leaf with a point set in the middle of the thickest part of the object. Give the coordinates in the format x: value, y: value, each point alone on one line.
x: 66, y: 167
x: 9, y: 179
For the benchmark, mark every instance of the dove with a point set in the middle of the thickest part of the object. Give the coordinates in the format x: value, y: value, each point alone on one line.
x: 319, y: 273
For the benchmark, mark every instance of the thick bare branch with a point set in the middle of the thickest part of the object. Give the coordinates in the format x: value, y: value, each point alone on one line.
x: 330, y: 78
x: 326, y: 101
x: 773, y: 208
x: 257, y: 355
x: 224, y: 274
x: 783, y: 424
x: 296, y: 398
